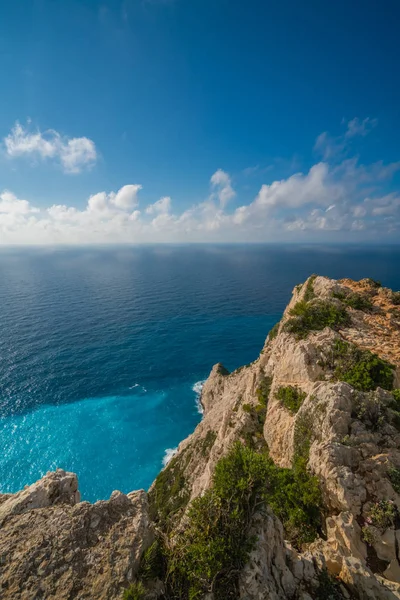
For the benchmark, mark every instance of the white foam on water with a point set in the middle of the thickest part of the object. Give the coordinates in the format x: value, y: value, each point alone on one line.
x: 169, y: 454
x: 197, y: 388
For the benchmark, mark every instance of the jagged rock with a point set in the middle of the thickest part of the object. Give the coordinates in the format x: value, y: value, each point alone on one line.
x: 54, y: 548
x: 59, y: 487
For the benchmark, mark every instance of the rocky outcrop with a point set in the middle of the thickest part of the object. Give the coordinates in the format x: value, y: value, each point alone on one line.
x: 54, y: 547
x: 348, y: 426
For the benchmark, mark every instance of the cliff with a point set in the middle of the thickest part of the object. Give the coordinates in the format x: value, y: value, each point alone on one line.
x: 288, y: 488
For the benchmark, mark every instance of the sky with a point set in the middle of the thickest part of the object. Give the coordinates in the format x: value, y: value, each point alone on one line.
x: 131, y: 121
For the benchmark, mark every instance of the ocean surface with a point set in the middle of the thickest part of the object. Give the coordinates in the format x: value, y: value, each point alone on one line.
x: 103, y: 351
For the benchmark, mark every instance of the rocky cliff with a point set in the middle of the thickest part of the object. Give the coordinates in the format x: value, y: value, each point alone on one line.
x: 288, y: 488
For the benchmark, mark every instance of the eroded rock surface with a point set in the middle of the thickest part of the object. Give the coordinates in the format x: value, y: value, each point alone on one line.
x: 54, y: 547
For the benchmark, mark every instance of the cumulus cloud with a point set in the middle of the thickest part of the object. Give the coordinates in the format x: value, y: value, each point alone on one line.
x: 126, y: 197
x: 73, y: 154
x: 221, y: 183
x: 162, y: 206
x: 331, y: 199
x: 10, y: 204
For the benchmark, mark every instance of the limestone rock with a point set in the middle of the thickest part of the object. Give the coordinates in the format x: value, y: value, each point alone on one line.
x: 56, y: 549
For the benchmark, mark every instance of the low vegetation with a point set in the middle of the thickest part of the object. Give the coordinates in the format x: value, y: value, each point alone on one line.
x: 215, y: 545
x: 309, y: 291
x: 370, y: 409
x: 395, y: 298
x: 168, y: 495
x: 136, y: 591
x: 263, y: 390
x: 354, y: 300
x: 373, y: 283
x: 368, y: 535
x: 394, y: 476
x: 274, y: 331
x: 382, y: 514
x: 208, y: 555
x: 362, y: 369
x: 315, y: 316
x: 290, y: 397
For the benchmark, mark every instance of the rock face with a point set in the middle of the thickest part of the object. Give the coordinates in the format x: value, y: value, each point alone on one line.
x: 53, y: 546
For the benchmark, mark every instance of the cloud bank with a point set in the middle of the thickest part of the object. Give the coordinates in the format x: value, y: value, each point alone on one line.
x: 338, y: 198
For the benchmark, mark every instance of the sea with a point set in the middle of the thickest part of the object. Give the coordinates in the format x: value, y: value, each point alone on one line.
x: 103, y: 351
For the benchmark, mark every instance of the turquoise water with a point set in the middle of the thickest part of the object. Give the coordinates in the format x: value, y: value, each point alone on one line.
x: 102, y: 351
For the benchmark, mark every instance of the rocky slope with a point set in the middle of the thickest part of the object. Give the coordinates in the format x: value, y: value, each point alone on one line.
x: 320, y: 406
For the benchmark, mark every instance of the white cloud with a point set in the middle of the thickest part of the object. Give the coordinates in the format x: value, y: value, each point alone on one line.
x: 10, y: 204
x: 330, y: 200
x: 162, y: 206
x: 221, y: 182
x: 126, y: 197
x: 73, y: 154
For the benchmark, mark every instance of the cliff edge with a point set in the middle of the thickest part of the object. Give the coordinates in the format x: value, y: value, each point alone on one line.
x: 288, y: 488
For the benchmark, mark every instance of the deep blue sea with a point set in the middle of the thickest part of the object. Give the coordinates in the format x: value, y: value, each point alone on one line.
x: 102, y: 350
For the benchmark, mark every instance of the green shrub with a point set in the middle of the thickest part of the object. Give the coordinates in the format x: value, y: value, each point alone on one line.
x: 373, y: 282
x: 309, y: 291
x: 395, y: 298
x: 169, y: 495
x: 382, y: 514
x: 362, y: 369
x: 354, y: 300
x: 136, y: 591
x: 315, y: 316
x: 263, y: 390
x: 290, y: 397
x: 215, y: 545
x: 152, y: 563
x: 396, y: 399
x: 274, y: 331
x: 368, y: 535
x: 294, y: 496
x: 369, y: 409
x: 247, y: 408
x: 394, y: 476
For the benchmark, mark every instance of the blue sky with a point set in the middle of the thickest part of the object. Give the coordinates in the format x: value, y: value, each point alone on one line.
x: 200, y: 120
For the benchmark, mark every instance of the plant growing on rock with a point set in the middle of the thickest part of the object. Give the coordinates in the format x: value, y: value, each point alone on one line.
x: 274, y: 331
x: 168, y: 495
x: 394, y: 476
x: 136, y: 591
x: 382, y: 514
x: 368, y: 535
x: 309, y: 293
x: 362, y: 369
x: 209, y: 554
x: 395, y: 298
x: 315, y: 316
x: 290, y: 397
x: 369, y: 409
x: 263, y: 390
x: 355, y: 300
